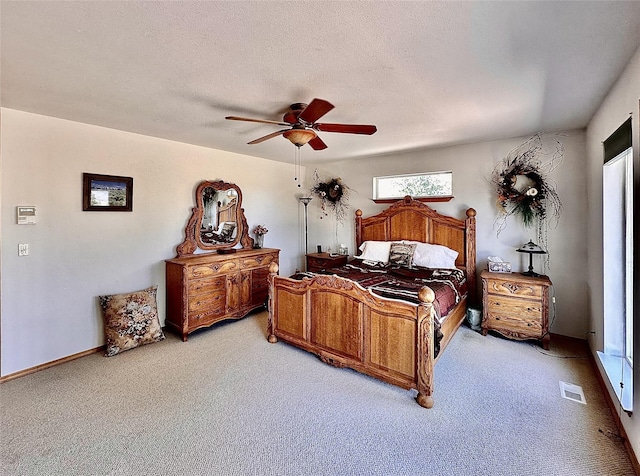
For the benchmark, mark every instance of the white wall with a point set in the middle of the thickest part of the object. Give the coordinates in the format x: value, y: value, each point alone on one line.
x: 48, y: 299
x: 472, y: 166
x: 622, y: 100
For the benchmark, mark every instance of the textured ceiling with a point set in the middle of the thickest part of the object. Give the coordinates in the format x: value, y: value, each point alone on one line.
x: 428, y: 74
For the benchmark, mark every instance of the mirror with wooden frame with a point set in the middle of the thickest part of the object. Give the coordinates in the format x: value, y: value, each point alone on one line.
x: 217, y: 221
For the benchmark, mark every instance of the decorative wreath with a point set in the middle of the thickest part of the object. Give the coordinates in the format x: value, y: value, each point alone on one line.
x: 333, y: 195
x: 522, y: 184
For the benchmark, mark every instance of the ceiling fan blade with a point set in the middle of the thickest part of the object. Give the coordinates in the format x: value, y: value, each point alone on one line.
x: 267, y: 137
x: 346, y: 128
x: 317, y: 144
x: 236, y: 118
x: 315, y: 110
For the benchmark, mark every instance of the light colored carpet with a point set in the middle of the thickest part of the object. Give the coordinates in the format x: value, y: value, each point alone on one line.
x: 229, y: 403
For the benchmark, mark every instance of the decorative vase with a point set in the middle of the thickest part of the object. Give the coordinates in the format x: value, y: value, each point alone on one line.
x: 259, y: 241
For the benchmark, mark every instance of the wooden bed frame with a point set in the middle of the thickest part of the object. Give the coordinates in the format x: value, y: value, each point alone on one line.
x: 348, y: 326
x: 227, y: 212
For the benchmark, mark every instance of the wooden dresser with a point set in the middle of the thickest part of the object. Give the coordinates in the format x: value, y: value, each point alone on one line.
x: 516, y: 306
x: 203, y: 289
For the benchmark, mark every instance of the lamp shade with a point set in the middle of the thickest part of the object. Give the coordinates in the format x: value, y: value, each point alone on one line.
x: 299, y: 137
x: 531, y: 247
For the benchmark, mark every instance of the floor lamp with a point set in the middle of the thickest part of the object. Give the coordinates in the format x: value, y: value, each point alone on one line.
x: 305, y: 201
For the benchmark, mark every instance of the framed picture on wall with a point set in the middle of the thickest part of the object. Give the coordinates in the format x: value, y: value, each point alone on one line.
x: 106, y: 193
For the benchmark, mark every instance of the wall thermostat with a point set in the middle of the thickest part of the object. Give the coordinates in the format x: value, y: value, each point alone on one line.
x: 26, y: 215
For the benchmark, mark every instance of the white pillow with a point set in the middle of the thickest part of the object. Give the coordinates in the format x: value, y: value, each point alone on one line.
x: 375, y: 251
x: 429, y: 255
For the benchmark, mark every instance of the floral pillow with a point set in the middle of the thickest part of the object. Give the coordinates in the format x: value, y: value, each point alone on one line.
x: 130, y: 320
x: 401, y: 254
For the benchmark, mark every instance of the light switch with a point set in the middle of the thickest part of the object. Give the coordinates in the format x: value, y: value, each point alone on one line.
x: 23, y: 249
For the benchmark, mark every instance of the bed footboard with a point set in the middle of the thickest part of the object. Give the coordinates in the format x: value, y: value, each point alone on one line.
x: 348, y: 326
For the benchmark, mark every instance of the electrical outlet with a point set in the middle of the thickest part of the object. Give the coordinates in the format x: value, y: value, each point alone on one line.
x: 23, y: 249
x: 553, y: 299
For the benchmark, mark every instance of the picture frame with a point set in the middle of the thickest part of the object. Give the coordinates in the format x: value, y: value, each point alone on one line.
x: 106, y: 193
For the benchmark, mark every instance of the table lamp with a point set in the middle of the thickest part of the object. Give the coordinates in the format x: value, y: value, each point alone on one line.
x: 532, y: 249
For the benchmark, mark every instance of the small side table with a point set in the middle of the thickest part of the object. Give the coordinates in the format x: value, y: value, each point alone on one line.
x: 516, y: 306
x: 317, y: 262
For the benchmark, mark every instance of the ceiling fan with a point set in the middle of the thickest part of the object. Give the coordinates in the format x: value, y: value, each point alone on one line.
x: 302, y: 121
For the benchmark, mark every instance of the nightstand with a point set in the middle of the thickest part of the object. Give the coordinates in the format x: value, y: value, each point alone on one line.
x: 322, y: 261
x: 516, y: 306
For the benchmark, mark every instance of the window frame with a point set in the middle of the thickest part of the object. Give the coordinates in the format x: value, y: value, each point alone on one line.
x: 422, y: 198
x: 617, y: 355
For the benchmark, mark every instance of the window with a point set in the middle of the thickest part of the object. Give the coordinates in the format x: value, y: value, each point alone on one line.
x: 617, y: 356
x: 429, y: 186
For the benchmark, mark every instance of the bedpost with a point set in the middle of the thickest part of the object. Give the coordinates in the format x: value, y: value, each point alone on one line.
x: 425, y: 348
x: 470, y: 258
x: 273, y: 272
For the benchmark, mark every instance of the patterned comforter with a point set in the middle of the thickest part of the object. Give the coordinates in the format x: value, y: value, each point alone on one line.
x: 449, y: 285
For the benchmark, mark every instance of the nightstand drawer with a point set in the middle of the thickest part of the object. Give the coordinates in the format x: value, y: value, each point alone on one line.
x: 321, y: 261
x: 508, y: 287
x: 522, y: 326
x: 514, y: 307
x: 314, y: 263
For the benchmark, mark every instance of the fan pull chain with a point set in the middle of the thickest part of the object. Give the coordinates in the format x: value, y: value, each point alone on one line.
x: 296, y: 166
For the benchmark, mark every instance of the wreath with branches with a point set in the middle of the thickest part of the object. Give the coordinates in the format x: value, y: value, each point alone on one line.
x: 523, y: 186
x: 333, y: 195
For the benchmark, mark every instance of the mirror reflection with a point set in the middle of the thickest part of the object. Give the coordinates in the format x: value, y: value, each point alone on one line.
x: 217, y: 221
x: 219, y: 218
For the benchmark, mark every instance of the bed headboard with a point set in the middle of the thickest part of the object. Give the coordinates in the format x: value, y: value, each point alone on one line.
x: 409, y: 219
x: 227, y: 212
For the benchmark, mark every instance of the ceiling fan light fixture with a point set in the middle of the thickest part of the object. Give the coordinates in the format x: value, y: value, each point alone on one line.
x: 299, y: 137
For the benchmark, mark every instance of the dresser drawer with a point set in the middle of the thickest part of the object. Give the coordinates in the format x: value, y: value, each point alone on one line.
x: 211, y: 269
x: 209, y: 301
x: 508, y: 287
x: 206, y: 317
x: 206, y: 285
x: 256, y: 261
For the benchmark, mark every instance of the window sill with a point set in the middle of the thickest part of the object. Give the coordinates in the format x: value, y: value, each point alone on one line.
x: 417, y: 199
x: 618, y: 370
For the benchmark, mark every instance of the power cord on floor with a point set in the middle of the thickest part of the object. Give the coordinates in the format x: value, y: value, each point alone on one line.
x: 612, y: 435
x: 557, y: 356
